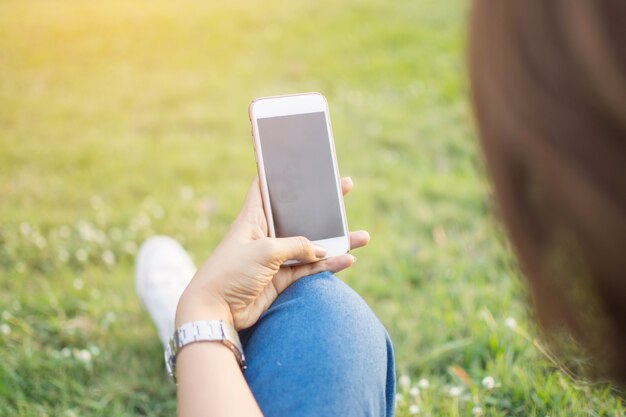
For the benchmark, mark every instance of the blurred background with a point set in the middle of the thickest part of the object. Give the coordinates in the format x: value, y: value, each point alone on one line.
x: 119, y: 120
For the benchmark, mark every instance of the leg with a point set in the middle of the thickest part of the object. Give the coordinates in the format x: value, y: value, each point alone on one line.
x: 320, y: 351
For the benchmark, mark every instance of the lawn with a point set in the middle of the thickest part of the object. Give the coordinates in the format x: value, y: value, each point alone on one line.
x: 120, y: 119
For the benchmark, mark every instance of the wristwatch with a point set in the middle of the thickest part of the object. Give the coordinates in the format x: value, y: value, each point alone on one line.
x: 203, y: 331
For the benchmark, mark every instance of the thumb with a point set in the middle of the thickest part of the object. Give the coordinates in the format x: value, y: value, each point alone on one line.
x: 251, y: 219
x: 299, y: 248
x: 253, y: 197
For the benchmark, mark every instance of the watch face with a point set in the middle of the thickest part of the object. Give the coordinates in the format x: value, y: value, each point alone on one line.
x: 170, y: 360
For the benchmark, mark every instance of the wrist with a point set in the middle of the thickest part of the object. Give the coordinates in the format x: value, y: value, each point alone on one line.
x: 208, y: 308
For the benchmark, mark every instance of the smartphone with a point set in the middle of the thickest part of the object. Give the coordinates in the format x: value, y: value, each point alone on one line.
x: 297, y: 165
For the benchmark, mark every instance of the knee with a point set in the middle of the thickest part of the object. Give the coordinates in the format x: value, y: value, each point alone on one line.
x: 322, y: 308
x: 325, y: 294
x: 320, y: 337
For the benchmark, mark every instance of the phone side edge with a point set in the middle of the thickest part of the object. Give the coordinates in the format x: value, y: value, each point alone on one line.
x: 260, y: 166
x: 342, y: 205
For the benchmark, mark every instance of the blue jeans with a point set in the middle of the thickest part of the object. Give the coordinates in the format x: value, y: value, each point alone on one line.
x: 319, y: 350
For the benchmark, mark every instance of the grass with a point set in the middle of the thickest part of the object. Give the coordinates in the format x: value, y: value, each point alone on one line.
x: 119, y: 120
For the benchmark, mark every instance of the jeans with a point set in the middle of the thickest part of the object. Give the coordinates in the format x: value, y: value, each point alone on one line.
x: 319, y: 350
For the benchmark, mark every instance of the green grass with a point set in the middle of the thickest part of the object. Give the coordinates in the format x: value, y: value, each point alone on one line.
x: 123, y: 119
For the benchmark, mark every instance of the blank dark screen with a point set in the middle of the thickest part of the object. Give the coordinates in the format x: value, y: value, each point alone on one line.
x: 300, y: 176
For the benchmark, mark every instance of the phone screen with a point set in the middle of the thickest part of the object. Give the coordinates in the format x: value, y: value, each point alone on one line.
x: 300, y: 175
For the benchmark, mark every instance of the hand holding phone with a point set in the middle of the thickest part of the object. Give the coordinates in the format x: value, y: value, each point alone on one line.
x: 246, y: 272
x: 298, y: 173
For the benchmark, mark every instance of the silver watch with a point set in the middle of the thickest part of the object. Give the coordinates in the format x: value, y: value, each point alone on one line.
x: 203, y: 331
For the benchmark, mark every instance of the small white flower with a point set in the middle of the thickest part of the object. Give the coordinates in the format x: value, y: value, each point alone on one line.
x: 414, y: 391
x: 25, y: 228
x: 99, y: 236
x: 130, y: 247
x: 40, y: 241
x: 186, y: 192
x: 477, y: 411
x: 5, y: 329
x: 6, y: 314
x: 489, y: 382
x: 399, y: 399
x: 85, y: 230
x: 78, y: 284
x: 64, y: 232
x: 455, y: 391
x: 414, y: 409
x: 510, y: 323
x: 109, y: 318
x: 81, y: 255
x: 404, y: 381
x: 66, y: 352
x: 63, y: 255
x: 423, y: 383
x: 95, y: 350
x: 108, y: 257
x: 83, y: 355
x: 70, y: 413
x: 142, y: 221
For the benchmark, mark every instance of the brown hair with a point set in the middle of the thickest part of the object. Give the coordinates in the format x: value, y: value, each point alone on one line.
x: 549, y: 89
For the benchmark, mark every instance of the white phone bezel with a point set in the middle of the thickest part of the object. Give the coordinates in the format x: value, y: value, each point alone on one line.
x: 285, y: 106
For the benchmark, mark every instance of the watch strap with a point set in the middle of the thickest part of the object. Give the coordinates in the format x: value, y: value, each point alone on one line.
x: 203, y: 331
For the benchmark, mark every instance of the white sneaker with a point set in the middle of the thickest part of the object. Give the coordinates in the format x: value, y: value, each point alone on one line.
x: 162, y: 271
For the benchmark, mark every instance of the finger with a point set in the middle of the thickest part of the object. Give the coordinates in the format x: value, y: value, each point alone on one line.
x: 299, y: 248
x: 251, y: 219
x: 253, y: 199
x: 288, y: 275
x: 346, y: 185
x: 359, y: 239
x: 339, y: 263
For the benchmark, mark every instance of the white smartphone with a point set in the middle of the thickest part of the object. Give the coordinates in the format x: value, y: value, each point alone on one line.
x: 300, y: 183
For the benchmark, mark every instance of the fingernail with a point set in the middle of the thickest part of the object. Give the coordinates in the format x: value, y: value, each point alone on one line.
x: 353, y: 259
x: 320, y: 252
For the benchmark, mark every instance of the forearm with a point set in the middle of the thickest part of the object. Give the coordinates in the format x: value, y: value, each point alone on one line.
x: 210, y: 383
